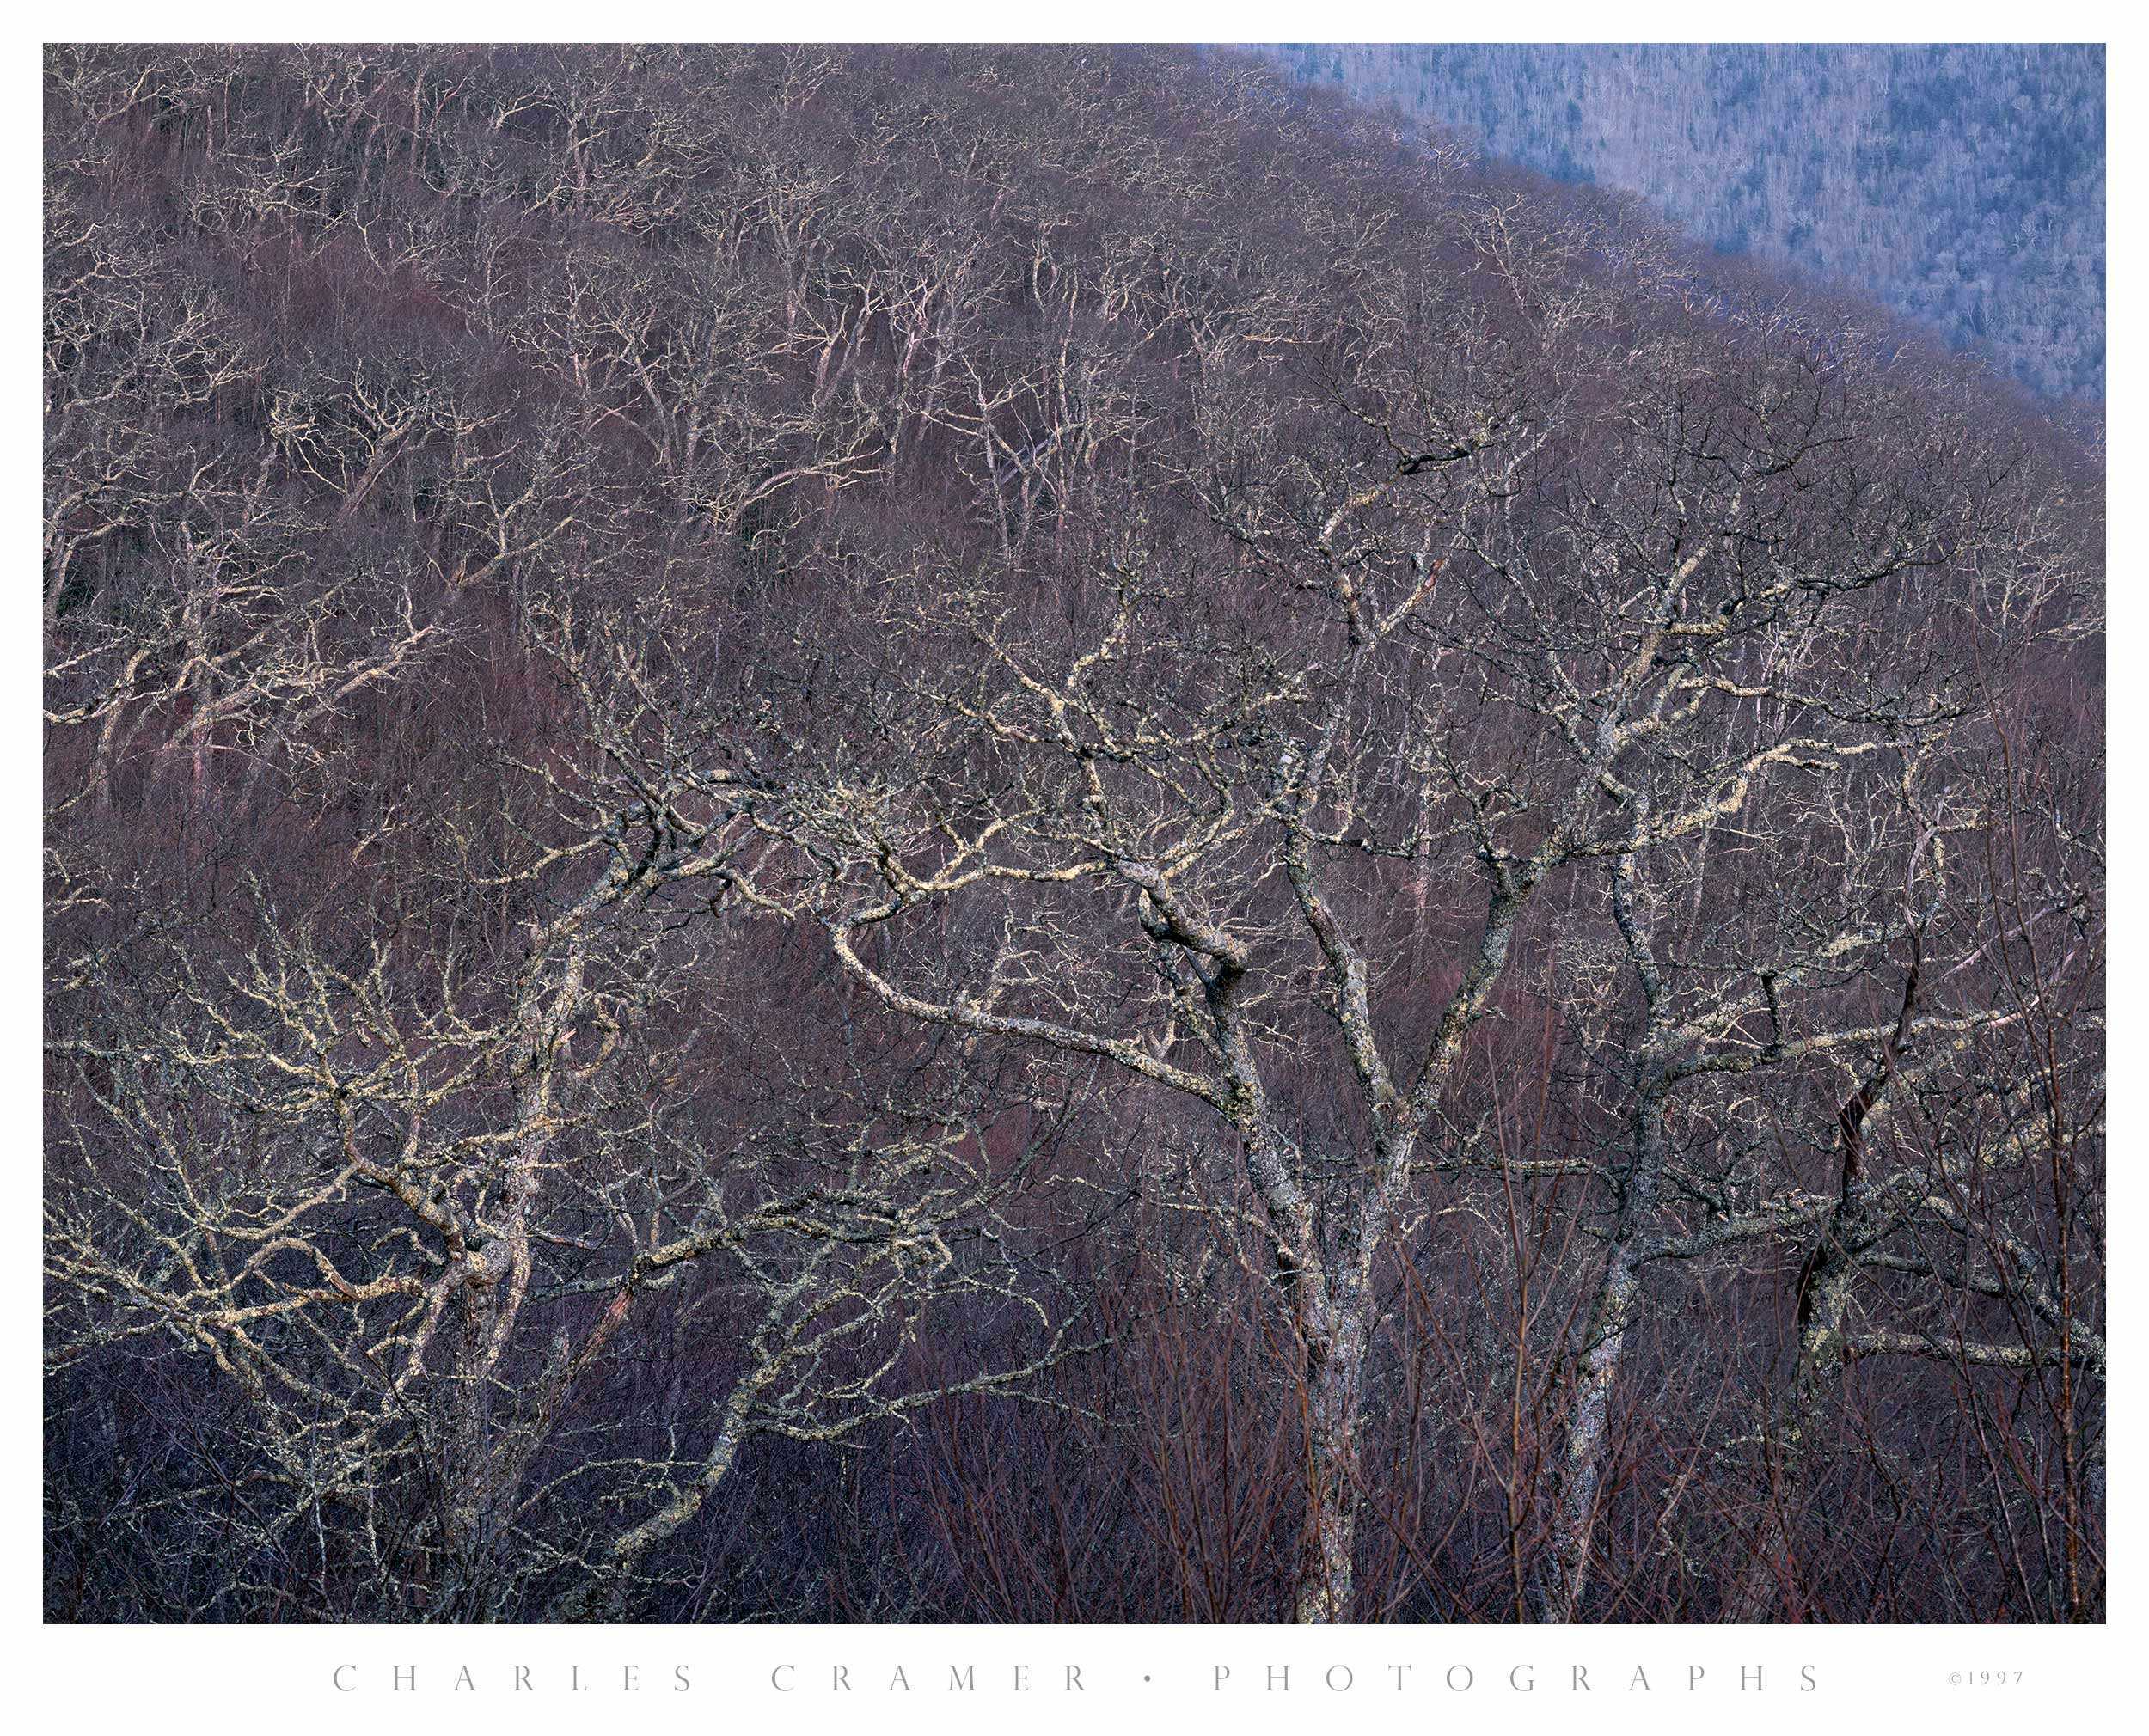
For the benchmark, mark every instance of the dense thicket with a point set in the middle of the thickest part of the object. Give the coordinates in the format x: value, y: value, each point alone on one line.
x: 1023, y: 834
x: 1962, y: 184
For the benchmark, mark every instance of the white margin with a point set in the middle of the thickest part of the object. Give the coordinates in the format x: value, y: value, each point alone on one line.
x: 174, y: 1680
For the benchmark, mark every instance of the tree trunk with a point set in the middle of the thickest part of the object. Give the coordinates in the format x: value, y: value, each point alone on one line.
x: 1335, y: 1369
x: 1611, y: 1318
x: 1589, y: 1433
x: 1824, y: 1307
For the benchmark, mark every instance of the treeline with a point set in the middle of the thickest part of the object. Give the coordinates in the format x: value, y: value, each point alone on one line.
x: 1033, y: 834
x: 1961, y: 184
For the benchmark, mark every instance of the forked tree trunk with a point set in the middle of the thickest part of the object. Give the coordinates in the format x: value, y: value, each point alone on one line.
x: 1823, y: 1304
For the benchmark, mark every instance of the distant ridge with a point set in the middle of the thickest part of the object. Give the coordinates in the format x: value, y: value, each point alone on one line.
x: 1961, y: 185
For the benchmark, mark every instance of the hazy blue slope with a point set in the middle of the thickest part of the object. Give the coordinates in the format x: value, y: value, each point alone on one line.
x: 1961, y: 185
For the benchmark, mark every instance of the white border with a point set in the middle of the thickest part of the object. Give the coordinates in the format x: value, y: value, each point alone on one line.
x: 178, y: 1680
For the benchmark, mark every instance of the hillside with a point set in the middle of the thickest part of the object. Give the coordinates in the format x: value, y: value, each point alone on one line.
x: 1034, y: 834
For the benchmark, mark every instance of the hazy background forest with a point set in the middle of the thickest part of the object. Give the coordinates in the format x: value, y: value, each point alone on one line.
x: 1962, y: 184
x: 1038, y: 833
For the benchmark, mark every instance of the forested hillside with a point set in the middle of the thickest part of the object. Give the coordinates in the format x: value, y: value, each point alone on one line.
x: 1962, y: 184
x: 1033, y: 834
